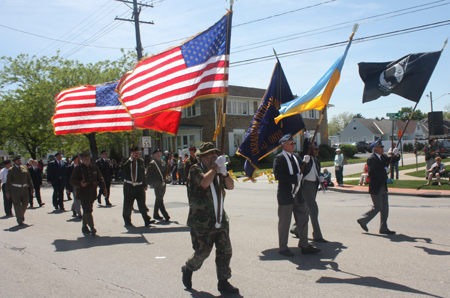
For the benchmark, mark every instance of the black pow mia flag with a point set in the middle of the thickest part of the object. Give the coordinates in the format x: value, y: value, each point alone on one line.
x: 407, y: 76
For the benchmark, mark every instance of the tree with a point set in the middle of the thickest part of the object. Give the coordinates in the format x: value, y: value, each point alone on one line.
x: 447, y: 112
x: 359, y: 115
x: 406, y: 113
x: 28, y: 103
x: 338, y: 122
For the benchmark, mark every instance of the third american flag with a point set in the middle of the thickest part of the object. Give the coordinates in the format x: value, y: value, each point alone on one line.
x: 175, y: 78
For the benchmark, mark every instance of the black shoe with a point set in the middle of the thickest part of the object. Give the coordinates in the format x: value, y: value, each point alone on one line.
x: 224, y: 286
x: 74, y: 214
x: 152, y: 221
x: 387, y: 232
x: 41, y: 204
x: 147, y: 223
x: 286, y: 252
x: 310, y: 250
x: 56, y: 208
x: 167, y: 218
x: 157, y: 217
x: 108, y: 204
x: 294, y: 231
x: 363, y: 226
x: 85, y: 230
x: 128, y: 224
x: 69, y: 199
x: 93, y: 232
x: 187, y: 277
x: 320, y: 240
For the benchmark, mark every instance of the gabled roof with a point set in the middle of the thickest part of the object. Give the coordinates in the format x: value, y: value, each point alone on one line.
x: 376, y: 127
x: 246, y: 91
x: 411, y: 126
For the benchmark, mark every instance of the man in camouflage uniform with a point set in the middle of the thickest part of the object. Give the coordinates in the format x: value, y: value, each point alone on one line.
x: 86, y: 178
x: 190, y: 161
x: 207, y: 219
x: 18, y: 183
x: 134, y: 187
x: 156, y: 173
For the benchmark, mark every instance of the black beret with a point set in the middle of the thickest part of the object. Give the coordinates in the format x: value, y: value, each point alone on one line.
x: 156, y: 150
x: 6, y: 162
x: 16, y: 158
x: 75, y: 157
x: 57, y: 153
x: 103, y: 151
x: 135, y: 149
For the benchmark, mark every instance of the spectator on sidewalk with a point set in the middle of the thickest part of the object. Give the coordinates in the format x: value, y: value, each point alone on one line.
x: 436, y: 170
x: 394, y: 167
x: 339, y: 167
x: 430, y: 154
x: 364, y: 176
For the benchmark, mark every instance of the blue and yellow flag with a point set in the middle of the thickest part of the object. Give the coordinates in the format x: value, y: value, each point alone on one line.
x: 310, y: 100
x: 263, y: 135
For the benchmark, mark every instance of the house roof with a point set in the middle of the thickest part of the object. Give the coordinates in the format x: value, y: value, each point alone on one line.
x: 401, y: 124
x: 376, y: 126
x: 246, y: 91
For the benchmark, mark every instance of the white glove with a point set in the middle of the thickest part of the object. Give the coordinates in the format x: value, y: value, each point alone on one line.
x: 387, y: 170
x: 221, y: 160
x: 320, y: 179
x: 300, y: 178
x: 306, y: 158
x: 222, y: 170
x: 395, y: 151
x: 307, y: 135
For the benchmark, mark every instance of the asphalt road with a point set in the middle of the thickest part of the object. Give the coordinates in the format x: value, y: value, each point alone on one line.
x: 51, y: 258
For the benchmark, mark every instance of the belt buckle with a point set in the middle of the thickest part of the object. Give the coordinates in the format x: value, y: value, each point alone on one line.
x: 134, y: 183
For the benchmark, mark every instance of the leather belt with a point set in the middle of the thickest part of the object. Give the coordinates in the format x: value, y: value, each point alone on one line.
x: 19, y: 185
x: 132, y: 183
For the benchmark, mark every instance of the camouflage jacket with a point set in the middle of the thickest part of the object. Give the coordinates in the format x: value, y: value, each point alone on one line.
x: 188, y: 164
x: 201, y: 205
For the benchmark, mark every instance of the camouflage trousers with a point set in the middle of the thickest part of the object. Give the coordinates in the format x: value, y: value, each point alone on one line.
x: 202, y: 243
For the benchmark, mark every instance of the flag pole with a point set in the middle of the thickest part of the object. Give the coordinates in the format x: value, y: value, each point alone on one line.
x: 224, y: 99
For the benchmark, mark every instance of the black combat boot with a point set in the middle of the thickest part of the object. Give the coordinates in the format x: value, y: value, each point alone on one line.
x: 187, y: 277
x: 225, y: 286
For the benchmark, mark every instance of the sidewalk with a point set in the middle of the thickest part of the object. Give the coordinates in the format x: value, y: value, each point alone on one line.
x: 393, y: 191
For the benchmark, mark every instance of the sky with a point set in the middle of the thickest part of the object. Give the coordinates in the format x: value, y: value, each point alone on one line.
x: 259, y: 27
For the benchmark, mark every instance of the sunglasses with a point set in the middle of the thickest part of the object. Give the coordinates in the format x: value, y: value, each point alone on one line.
x: 316, y: 149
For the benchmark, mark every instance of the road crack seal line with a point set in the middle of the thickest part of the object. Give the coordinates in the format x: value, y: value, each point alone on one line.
x: 23, y: 251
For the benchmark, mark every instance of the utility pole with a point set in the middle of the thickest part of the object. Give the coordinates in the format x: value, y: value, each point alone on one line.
x: 136, y: 12
x: 431, y: 102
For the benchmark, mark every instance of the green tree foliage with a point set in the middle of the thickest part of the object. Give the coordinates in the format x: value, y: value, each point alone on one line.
x: 338, y: 122
x: 447, y: 112
x: 27, y: 89
x: 406, y: 113
x: 359, y: 115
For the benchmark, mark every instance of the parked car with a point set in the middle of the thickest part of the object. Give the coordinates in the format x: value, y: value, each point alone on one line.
x: 362, y: 146
x: 444, y: 148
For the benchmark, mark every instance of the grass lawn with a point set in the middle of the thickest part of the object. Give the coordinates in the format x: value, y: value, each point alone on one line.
x: 412, y: 184
x: 407, y: 167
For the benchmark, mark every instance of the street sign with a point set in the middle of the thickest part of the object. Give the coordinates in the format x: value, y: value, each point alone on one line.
x: 393, y: 114
x: 147, y: 142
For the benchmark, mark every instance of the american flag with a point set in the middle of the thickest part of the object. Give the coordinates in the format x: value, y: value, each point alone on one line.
x: 176, y: 77
x: 89, y: 108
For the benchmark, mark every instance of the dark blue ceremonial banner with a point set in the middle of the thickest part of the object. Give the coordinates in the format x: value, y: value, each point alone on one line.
x: 263, y: 134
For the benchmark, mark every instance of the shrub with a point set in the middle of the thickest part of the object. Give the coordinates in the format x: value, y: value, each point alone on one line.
x: 323, y: 153
x: 268, y: 159
x: 405, y: 148
x: 237, y: 160
x: 331, y: 151
x: 348, y: 150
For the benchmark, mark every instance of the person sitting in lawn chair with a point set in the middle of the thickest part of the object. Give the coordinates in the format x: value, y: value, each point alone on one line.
x: 437, y: 170
x: 364, y: 176
x: 326, y: 179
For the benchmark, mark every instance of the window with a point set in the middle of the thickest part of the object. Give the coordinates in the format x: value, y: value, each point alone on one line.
x: 191, y: 111
x: 350, y: 140
x: 235, y: 107
x: 418, y: 127
x: 311, y: 114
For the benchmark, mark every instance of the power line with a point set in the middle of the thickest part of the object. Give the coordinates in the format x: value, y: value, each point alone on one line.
x: 342, y: 43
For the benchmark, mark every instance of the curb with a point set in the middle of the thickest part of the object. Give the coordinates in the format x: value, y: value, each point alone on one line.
x: 405, y: 192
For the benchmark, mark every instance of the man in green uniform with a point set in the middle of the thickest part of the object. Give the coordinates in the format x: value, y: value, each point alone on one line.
x: 86, y: 178
x: 191, y: 160
x: 156, y: 173
x: 17, y: 184
x: 134, y: 187
x: 207, y: 218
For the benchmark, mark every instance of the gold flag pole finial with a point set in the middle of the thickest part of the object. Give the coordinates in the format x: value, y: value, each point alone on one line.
x: 445, y: 43
x: 275, y: 53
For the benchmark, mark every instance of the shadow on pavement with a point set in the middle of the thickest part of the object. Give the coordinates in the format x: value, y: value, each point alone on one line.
x: 89, y: 241
x: 321, y: 261
x: 401, y: 238
x: 369, y: 281
x: 153, y: 229
x: 17, y: 228
x: 197, y: 294
x: 435, y: 252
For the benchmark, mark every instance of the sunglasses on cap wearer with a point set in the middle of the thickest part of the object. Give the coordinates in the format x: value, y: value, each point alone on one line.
x: 291, y: 143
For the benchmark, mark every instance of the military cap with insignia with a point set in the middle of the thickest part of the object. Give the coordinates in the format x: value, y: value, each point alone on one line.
x: 206, y: 148
x: 16, y: 158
